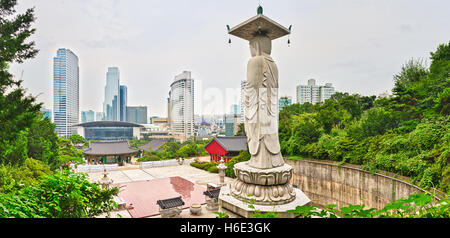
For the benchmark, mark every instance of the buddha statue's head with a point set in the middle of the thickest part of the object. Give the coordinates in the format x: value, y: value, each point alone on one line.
x: 260, y: 44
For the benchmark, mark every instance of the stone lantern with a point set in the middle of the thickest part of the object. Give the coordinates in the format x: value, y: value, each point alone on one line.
x: 105, y: 182
x: 222, y: 168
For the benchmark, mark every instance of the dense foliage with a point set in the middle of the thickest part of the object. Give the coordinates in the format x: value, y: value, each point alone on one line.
x: 416, y: 206
x: 174, y: 150
x: 407, y: 133
x: 30, y: 150
x: 242, y: 157
x: 61, y: 195
x: 210, y: 167
x: 17, y: 110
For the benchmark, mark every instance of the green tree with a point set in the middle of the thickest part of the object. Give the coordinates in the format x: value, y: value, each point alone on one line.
x: 17, y: 110
x: 43, y: 142
x: 77, y: 139
x: 13, y: 178
x: 241, y: 131
x: 68, y: 153
x: 62, y: 195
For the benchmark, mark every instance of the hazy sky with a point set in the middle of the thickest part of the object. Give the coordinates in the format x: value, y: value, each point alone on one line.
x: 357, y: 45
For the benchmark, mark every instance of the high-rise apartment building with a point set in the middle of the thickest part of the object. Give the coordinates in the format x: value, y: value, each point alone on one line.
x: 137, y: 115
x: 66, y: 103
x: 87, y: 116
x: 123, y: 102
x: 326, y: 92
x: 313, y: 93
x: 181, y: 105
x: 111, y: 105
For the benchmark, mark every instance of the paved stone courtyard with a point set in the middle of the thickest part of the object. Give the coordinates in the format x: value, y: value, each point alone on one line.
x: 196, y: 176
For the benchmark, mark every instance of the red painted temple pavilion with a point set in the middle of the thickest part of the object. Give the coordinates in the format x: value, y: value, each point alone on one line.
x: 226, y: 148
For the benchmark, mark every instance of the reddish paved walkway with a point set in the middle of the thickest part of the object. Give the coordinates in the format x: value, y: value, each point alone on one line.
x: 141, y: 196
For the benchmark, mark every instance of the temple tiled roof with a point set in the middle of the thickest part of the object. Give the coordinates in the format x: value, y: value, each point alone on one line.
x: 233, y: 143
x: 109, y: 148
x: 153, y: 145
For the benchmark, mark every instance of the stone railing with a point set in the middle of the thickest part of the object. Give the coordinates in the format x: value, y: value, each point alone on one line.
x: 95, y: 168
x: 326, y: 183
x: 163, y: 163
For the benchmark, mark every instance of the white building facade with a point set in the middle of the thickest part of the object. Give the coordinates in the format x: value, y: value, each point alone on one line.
x: 66, y: 85
x: 181, y: 108
x: 313, y: 93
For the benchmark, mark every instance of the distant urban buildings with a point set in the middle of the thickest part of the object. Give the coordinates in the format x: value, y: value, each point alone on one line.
x: 313, y: 93
x: 235, y: 109
x: 284, y: 102
x: 159, y: 121
x: 232, y: 122
x: 137, y: 115
x: 65, y: 92
x: 111, y: 105
x: 181, y: 106
x: 99, y: 116
x: 87, y: 116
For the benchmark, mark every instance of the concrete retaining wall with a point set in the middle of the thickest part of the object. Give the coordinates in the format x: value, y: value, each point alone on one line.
x: 326, y: 183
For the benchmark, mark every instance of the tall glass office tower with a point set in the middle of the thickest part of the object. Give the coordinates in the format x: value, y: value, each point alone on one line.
x: 111, y: 105
x: 66, y: 92
x: 123, y: 102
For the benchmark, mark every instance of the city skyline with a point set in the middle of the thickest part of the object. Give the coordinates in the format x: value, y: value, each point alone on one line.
x: 356, y: 45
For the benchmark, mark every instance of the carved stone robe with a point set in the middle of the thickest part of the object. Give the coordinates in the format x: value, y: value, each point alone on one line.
x: 261, y: 113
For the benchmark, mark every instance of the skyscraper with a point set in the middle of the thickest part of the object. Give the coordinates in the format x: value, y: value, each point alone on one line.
x: 181, y: 100
x: 313, y: 93
x: 111, y: 105
x: 123, y: 95
x: 65, y: 92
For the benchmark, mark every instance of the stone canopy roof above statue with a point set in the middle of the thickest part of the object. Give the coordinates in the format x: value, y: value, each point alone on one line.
x: 109, y: 148
x: 259, y: 24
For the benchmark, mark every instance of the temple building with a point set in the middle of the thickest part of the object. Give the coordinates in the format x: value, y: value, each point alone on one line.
x: 226, y: 148
x: 153, y: 145
x: 113, y: 152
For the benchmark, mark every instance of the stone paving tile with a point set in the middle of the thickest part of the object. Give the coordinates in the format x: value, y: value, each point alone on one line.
x: 197, y: 176
x: 116, y: 176
x: 137, y: 175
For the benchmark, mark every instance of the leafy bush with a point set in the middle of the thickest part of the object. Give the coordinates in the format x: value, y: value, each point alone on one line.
x: 62, y: 195
x: 416, y: 206
x: 242, y: 157
x: 210, y: 167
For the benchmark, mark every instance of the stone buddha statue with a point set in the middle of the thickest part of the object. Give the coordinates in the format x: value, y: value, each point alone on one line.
x: 265, y: 179
x: 261, y: 106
